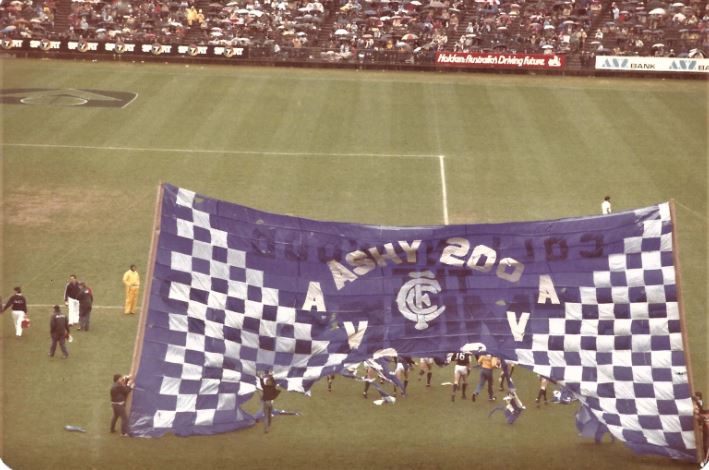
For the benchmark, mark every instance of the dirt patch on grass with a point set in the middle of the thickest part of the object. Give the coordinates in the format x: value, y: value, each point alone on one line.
x: 35, y: 208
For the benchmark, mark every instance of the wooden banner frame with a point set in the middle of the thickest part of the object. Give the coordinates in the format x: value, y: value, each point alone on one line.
x: 143, y: 318
x: 683, y: 326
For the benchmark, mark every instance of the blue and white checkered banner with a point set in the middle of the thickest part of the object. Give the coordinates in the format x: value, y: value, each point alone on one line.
x: 589, y: 302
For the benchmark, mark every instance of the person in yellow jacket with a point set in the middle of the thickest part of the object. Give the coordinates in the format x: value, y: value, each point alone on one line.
x: 131, y: 279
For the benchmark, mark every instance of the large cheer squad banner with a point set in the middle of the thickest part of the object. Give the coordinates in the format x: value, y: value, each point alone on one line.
x: 590, y: 302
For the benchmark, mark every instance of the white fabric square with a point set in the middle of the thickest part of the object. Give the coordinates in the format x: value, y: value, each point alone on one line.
x: 163, y: 418
x: 212, y: 359
x: 589, y: 328
x: 216, y: 300
x: 661, y: 359
x: 632, y: 245
x: 676, y: 341
x: 641, y: 342
x: 668, y: 275
x: 179, y: 292
x: 201, y: 219
x: 573, y: 374
x: 664, y: 390
x: 269, y: 296
x: 201, y: 250
x: 196, y: 310
x: 573, y: 311
x: 219, y: 237
x: 285, y: 345
x: 285, y: 315
x: 605, y: 343
x: 606, y: 312
x: 602, y: 278
x: 236, y: 258
x: 302, y: 331
x: 175, y: 354
x: 249, y: 339
x: 185, y: 228
x: 231, y: 376
x: 672, y: 311
x: 191, y: 371
x: 170, y: 386
x: 652, y: 228
x: 621, y: 327
x: 655, y: 294
x: 232, y: 350
x: 670, y: 423
x: 254, y: 277
x: 177, y: 322
x: 195, y: 342
x: 180, y: 262
x: 185, y: 197
x: 557, y: 326
x: 201, y: 281
x: 651, y: 260
x: 588, y: 295
x: 209, y: 387
x: 219, y: 270
x: 233, y: 319
x: 204, y: 417
x: 620, y: 295
x: 639, y: 311
x: 647, y: 406
x: 226, y: 401
x: 635, y: 277
x: 666, y: 242
x: 267, y: 328
x: 572, y: 343
x: 186, y: 402
x: 665, y: 213
x: 642, y: 374
x: 655, y: 436
x: 213, y: 329
x: 617, y: 262
x: 630, y: 422
x: 659, y: 327
x: 253, y: 309
x: 237, y: 289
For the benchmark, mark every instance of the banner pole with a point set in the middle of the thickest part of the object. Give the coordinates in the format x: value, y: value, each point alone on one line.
x: 143, y: 318
x: 683, y: 326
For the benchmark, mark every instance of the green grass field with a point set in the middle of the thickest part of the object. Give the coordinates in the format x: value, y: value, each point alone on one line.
x: 79, y: 187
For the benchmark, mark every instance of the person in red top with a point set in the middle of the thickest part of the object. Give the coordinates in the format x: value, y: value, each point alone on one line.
x: 59, y: 330
x: 269, y: 392
x: 86, y: 300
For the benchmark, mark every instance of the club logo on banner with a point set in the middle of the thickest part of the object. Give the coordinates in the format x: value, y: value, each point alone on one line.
x: 589, y: 302
x: 414, y: 302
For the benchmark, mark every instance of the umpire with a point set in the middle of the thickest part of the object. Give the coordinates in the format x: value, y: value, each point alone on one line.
x: 59, y: 330
x: 119, y: 393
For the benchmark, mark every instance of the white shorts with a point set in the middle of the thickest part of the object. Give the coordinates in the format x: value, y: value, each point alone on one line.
x: 73, y: 311
x: 427, y: 360
x: 399, y: 368
x: 461, y: 369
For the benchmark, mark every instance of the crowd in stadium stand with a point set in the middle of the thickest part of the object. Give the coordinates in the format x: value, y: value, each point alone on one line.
x: 345, y: 30
x: 654, y: 28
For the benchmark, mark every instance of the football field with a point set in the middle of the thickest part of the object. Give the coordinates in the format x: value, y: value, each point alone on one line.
x: 85, y: 145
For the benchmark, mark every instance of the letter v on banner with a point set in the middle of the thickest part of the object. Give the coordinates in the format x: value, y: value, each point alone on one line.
x: 517, y: 327
x: 354, y: 336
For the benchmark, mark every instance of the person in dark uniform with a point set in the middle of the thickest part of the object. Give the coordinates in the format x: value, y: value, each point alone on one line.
x: 19, y: 309
x: 460, y: 373
x: 269, y: 392
x: 59, y: 330
x: 71, y: 292
x: 86, y: 300
x: 119, y: 393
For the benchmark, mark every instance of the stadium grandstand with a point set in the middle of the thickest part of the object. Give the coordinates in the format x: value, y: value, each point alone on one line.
x: 385, y: 32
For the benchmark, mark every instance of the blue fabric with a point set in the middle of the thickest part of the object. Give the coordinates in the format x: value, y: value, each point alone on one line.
x: 589, y: 302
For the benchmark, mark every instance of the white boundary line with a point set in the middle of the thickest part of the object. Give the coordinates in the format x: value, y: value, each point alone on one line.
x: 112, y: 307
x: 691, y: 211
x: 222, y: 152
x: 444, y: 188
